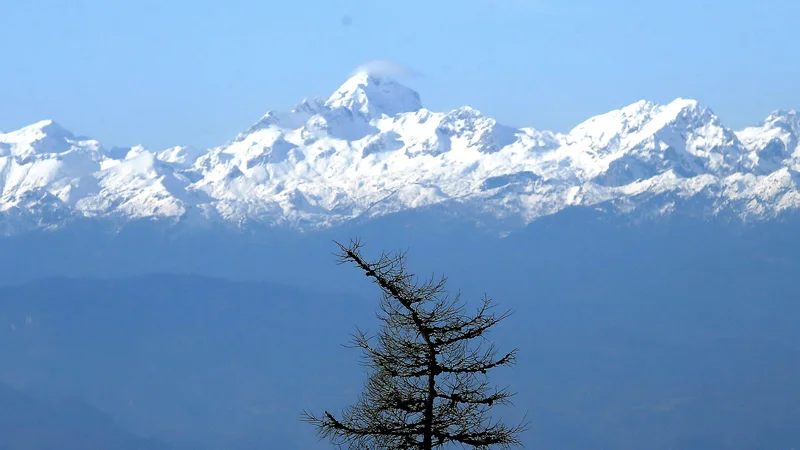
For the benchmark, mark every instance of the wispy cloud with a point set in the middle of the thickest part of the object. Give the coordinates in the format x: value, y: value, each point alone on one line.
x: 387, y: 68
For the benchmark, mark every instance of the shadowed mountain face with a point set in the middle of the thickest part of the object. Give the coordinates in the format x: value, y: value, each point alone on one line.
x: 31, y: 424
x: 676, y: 335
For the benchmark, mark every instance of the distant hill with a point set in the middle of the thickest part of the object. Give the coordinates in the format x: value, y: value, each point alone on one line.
x: 30, y: 424
x: 611, y: 360
x: 197, y: 361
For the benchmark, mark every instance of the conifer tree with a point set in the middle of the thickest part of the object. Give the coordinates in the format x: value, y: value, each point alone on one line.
x: 428, y: 383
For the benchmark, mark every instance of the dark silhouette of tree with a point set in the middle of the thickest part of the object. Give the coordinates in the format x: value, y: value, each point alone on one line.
x: 428, y: 385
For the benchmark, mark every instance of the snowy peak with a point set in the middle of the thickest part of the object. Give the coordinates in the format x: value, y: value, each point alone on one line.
x: 373, y: 96
x: 644, y: 139
x: 41, y: 138
x: 47, y: 127
x: 605, y: 130
x: 371, y: 149
x: 635, y: 122
x: 786, y: 126
x: 180, y: 156
x: 787, y: 119
x: 775, y: 142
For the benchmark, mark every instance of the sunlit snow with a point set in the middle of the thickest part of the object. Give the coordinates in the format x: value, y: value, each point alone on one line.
x: 372, y: 149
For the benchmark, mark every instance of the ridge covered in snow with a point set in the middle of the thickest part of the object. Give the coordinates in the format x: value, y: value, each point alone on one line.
x: 372, y: 149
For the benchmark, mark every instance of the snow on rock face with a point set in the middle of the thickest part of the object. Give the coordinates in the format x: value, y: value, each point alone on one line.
x: 372, y: 96
x: 775, y: 142
x: 371, y: 149
x: 45, y: 137
x: 45, y: 167
x: 180, y: 156
x: 644, y: 139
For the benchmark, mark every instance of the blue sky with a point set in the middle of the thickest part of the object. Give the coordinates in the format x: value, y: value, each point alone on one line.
x: 166, y: 72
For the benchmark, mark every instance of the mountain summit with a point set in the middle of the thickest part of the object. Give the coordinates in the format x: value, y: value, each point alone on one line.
x: 373, y: 96
x: 371, y: 149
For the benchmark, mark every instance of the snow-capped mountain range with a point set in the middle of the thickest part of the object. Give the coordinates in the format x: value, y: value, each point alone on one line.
x: 372, y: 149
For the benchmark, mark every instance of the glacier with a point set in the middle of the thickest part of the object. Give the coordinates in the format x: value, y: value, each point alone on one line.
x: 372, y: 149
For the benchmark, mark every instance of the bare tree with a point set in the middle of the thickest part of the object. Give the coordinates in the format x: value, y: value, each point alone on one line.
x: 428, y: 386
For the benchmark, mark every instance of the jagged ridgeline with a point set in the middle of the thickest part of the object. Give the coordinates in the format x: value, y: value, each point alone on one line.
x: 372, y: 149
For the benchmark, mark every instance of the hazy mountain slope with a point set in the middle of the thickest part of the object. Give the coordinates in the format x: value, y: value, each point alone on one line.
x: 703, y: 335
x: 30, y: 424
x: 372, y: 149
x: 192, y: 360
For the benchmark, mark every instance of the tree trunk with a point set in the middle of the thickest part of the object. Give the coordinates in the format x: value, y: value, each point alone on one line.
x: 427, y: 437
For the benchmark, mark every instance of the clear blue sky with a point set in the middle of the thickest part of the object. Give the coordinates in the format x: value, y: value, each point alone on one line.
x: 164, y: 73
